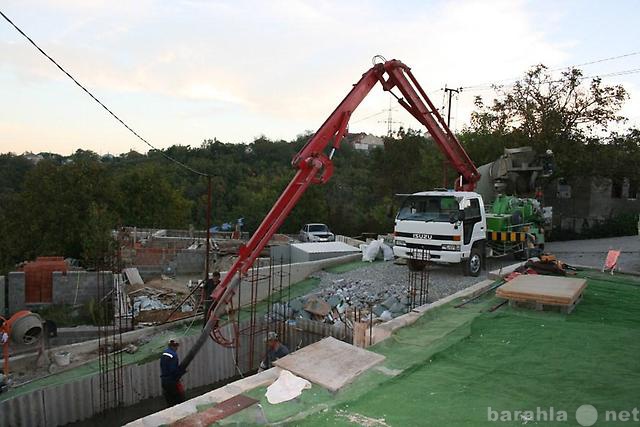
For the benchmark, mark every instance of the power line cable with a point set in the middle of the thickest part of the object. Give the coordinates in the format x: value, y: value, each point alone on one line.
x: 100, y: 102
x: 386, y: 110
x: 597, y: 61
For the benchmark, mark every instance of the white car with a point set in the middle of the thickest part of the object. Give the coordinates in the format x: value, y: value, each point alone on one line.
x: 316, y: 233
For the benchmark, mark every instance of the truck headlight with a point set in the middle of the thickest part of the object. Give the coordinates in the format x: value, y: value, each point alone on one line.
x: 400, y: 243
x: 450, y: 247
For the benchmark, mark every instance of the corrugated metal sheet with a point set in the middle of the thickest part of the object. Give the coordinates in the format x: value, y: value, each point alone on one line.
x: 24, y: 410
x: 144, y: 381
x: 68, y: 402
x: 80, y: 399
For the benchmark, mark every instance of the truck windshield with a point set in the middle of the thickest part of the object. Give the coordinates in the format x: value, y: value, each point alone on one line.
x: 428, y: 208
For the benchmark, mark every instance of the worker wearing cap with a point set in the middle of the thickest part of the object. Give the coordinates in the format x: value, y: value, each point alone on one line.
x: 170, y: 374
x: 209, y: 286
x: 275, y: 351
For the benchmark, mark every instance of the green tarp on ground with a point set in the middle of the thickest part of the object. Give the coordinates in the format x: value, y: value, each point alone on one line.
x: 470, y: 367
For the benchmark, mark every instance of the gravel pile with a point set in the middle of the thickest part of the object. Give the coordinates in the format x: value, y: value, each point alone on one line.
x: 381, y: 287
x: 381, y: 280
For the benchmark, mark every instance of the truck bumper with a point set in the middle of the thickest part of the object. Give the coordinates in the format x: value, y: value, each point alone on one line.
x: 435, y: 256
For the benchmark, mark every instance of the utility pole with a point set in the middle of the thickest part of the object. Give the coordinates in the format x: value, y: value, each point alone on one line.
x: 450, y: 92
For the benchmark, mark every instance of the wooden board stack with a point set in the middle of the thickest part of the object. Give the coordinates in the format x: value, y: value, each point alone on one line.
x: 543, y: 291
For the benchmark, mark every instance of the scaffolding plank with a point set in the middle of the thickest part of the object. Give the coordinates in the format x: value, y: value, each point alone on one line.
x: 217, y: 413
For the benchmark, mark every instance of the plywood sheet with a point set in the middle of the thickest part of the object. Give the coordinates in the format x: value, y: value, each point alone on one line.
x: 544, y: 289
x: 330, y: 363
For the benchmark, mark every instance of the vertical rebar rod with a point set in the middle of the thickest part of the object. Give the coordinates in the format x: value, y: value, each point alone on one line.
x: 206, y: 267
x: 370, y: 323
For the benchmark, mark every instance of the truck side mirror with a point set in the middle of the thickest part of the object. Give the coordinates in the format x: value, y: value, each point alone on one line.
x: 456, y: 216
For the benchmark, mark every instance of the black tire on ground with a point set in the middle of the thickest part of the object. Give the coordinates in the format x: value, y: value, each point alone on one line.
x: 473, y: 265
x: 416, y: 264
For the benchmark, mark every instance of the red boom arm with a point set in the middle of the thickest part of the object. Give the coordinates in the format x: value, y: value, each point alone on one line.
x: 315, y: 167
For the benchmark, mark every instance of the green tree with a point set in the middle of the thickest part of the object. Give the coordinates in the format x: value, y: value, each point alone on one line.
x: 98, y: 244
x: 547, y: 112
x: 146, y: 198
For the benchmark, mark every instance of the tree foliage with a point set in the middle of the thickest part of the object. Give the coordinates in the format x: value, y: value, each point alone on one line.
x: 68, y: 205
x: 542, y: 107
x: 569, y: 114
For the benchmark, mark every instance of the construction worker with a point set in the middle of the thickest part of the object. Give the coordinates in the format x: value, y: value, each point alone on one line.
x: 209, y: 286
x: 170, y: 374
x: 275, y: 351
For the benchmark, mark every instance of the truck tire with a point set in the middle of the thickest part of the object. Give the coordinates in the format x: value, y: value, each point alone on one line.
x: 416, y: 264
x: 473, y: 265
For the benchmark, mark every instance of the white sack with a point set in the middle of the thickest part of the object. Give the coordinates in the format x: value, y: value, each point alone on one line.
x: 286, y: 387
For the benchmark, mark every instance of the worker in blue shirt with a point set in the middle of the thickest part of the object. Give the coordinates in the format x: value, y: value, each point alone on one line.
x: 275, y: 350
x: 170, y: 374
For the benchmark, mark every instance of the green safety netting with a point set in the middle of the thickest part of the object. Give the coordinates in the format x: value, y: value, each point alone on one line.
x: 469, y: 366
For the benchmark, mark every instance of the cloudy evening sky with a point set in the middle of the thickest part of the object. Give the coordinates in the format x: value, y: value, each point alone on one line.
x: 183, y: 71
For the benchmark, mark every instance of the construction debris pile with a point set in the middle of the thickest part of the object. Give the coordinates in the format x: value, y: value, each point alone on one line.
x: 157, y: 300
x: 149, y: 299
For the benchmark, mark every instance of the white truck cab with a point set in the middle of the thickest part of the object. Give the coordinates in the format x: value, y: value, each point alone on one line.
x: 441, y: 226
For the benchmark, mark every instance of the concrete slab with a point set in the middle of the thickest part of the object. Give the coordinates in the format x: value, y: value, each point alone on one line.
x: 330, y: 363
x: 324, y: 247
x: 304, y: 252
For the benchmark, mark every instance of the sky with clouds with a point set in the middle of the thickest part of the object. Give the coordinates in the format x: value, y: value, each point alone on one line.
x: 183, y: 71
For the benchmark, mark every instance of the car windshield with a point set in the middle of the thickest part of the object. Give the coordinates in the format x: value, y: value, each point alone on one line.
x: 428, y: 208
x: 318, y: 228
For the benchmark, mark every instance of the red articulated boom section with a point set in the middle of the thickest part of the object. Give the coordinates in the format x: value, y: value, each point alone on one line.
x: 315, y: 167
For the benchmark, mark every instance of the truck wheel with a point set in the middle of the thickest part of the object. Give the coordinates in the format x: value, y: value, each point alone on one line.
x: 416, y: 264
x: 473, y: 265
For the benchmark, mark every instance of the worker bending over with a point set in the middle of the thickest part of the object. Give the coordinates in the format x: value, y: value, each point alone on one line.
x: 275, y: 351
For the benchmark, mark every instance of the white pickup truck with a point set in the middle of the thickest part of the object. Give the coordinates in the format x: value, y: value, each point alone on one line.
x: 442, y: 226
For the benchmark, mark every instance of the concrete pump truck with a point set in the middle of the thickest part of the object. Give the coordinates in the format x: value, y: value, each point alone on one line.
x: 314, y: 165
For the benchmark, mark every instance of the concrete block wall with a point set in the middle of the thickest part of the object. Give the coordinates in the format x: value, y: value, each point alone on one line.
x: 190, y: 261
x: 15, y: 285
x: 280, y: 253
x: 148, y: 272
x: 79, y: 286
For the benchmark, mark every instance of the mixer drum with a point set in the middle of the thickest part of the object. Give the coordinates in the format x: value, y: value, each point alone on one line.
x: 26, y: 328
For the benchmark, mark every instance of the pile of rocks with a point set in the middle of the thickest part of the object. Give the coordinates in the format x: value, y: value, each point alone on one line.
x: 340, y: 299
